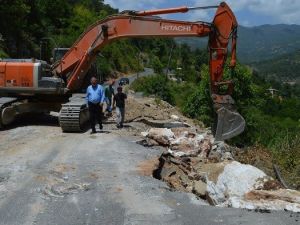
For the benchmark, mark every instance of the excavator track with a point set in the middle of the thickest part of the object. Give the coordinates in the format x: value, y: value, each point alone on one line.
x: 5, y: 102
x: 73, y: 115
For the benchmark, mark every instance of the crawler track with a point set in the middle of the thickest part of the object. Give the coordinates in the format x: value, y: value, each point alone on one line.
x: 73, y: 116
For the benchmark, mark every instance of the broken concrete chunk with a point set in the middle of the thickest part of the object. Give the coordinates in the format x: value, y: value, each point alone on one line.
x: 162, y: 136
x: 195, y: 163
x: 199, y: 188
x: 161, y: 123
x: 152, y: 142
x: 288, y: 195
x: 205, y: 148
x: 282, y: 199
x: 192, y: 175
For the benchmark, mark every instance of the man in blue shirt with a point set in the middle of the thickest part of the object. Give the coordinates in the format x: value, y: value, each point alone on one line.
x: 95, y: 97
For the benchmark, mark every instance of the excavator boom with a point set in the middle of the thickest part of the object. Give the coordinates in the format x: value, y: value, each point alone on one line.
x: 29, y: 85
x: 223, y: 28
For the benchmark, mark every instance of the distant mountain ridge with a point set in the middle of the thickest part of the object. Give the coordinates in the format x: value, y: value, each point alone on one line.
x: 285, y: 68
x: 259, y: 43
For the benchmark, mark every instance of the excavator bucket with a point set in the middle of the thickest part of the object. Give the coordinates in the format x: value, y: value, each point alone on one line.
x: 230, y: 124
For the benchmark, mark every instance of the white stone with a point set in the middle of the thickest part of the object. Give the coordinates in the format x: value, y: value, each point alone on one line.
x: 144, y: 134
x: 180, y: 154
x: 236, y: 180
x: 162, y: 132
x: 240, y: 186
x: 161, y: 135
x: 175, y: 117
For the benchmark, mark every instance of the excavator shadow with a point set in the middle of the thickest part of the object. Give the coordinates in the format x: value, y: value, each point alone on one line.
x: 103, y: 132
x: 32, y: 119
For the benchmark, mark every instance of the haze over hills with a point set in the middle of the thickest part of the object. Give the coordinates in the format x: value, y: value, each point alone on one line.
x: 259, y: 43
x: 284, y: 68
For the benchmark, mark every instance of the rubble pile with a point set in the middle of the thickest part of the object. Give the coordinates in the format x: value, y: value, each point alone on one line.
x: 152, y: 111
x: 194, y: 162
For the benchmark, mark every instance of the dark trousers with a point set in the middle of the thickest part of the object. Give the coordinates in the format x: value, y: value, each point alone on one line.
x: 95, y: 114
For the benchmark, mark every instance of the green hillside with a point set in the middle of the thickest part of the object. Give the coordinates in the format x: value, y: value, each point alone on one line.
x: 285, y: 68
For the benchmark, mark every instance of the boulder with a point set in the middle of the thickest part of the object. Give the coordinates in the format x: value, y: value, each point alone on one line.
x: 242, y: 186
x: 175, y: 117
x: 162, y: 136
x: 199, y: 188
x: 235, y: 181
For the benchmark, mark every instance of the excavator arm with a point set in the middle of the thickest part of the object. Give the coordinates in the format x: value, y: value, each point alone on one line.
x: 76, y: 62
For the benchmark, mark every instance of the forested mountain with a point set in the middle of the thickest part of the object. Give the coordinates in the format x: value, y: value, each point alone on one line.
x: 285, y: 68
x: 28, y: 24
x: 25, y: 23
x: 260, y: 42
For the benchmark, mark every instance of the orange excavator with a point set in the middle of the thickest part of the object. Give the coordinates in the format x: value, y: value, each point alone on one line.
x: 35, y: 86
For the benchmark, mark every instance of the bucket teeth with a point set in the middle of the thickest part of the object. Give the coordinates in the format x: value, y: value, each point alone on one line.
x: 230, y: 124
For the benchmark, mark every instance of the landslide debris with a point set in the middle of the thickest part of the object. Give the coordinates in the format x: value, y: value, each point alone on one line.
x: 142, y: 113
x: 194, y: 162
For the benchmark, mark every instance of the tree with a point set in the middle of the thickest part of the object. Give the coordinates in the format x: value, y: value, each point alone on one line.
x: 157, y: 65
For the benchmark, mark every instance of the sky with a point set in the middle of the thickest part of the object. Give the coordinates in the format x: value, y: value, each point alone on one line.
x: 248, y: 12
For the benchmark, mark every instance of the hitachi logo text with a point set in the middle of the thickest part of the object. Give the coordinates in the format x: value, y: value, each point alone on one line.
x: 176, y: 28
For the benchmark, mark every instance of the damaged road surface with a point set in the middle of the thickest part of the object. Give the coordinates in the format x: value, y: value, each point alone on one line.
x: 48, y: 177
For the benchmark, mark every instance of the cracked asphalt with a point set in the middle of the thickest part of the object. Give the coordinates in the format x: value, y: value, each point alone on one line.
x: 50, y: 177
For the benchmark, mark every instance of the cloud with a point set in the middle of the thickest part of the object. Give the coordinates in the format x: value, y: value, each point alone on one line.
x: 134, y: 4
x: 282, y: 11
x: 251, y: 12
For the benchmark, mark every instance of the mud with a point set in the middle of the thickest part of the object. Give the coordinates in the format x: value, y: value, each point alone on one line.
x: 147, y: 167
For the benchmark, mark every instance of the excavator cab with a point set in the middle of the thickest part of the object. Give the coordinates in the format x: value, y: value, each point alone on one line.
x: 58, y: 53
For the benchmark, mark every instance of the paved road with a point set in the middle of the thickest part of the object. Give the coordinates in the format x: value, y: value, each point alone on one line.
x: 132, y: 77
x: 48, y: 177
